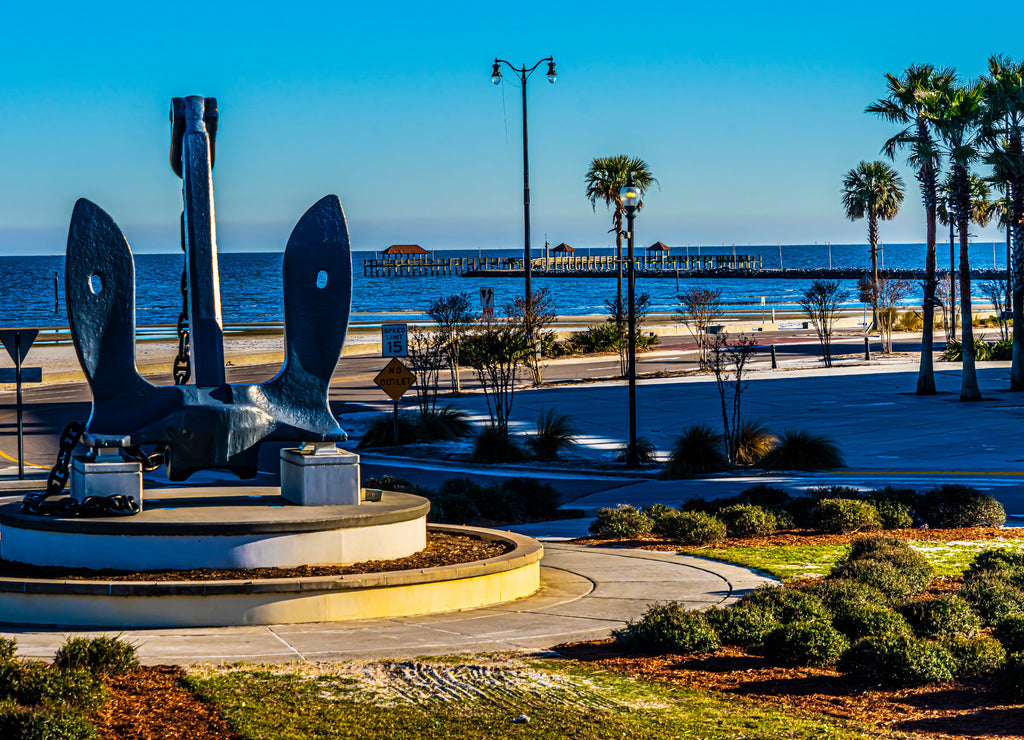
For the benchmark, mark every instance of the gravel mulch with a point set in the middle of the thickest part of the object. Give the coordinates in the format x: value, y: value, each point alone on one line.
x: 441, y: 549
x: 961, y: 710
x: 152, y: 704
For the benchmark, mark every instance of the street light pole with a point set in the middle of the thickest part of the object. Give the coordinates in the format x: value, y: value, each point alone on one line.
x: 523, y: 74
x: 630, y: 201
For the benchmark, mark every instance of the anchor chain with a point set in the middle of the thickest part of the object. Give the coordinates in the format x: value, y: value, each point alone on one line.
x: 36, y: 502
x: 183, y: 362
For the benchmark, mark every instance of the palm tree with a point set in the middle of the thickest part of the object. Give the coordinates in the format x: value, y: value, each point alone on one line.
x: 1002, y: 128
x: 873, y: 190
x: 911, y: 103
x: 605, y: 178
x: 957, y: 125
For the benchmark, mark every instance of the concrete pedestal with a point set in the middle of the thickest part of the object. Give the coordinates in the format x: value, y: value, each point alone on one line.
x: 320, y: 476
x: 105, y: 475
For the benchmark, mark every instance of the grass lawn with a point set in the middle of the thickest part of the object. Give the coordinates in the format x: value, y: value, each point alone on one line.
x: 793, y: 562
x: 484, y: 698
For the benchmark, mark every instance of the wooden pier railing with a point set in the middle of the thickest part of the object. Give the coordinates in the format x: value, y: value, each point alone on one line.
x: 420, y: 266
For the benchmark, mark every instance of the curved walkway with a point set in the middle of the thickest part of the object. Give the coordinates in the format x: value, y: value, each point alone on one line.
x: 585, y: 593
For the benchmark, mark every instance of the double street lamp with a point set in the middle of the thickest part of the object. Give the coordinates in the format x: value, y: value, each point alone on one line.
x: 522, y: 73
x: 630, y: 195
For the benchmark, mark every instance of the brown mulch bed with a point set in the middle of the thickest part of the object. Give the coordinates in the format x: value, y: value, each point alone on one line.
x: 961, y: 710
x: 441, y: 549
x: 152, y: 704
x: 810, y: 537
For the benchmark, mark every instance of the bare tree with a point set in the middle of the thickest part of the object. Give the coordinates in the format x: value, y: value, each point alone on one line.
x: 534, y: 318
x: 618, y: 316
x: 821, y: 303
x: 995, y: 291
x: 426, y: 356
x: 890, y: 292
x: 728, y: 360
x: 453, y: 318
x: 698, y: 309
x: 495, y: 351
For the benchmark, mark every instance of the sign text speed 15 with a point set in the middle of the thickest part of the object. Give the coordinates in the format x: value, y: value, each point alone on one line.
x: 394, y: 340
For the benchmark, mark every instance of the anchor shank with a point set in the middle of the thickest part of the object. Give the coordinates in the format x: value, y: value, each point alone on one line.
x: 205, y: 322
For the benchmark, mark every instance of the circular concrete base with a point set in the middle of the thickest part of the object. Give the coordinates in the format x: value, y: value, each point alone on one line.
x: 225, y: 528
x: 148, y: 604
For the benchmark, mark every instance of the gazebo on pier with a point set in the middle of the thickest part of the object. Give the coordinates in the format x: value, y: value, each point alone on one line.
x: 398, y: 251
x: 658, y: 252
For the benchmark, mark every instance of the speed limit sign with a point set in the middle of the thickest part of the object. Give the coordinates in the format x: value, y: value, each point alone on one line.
x: 394, y: 340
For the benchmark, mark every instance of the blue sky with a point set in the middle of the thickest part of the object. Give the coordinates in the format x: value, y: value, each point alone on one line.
x: 748, y: 113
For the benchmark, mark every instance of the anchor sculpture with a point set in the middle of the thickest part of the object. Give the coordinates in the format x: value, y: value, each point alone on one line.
x: 208, y: 423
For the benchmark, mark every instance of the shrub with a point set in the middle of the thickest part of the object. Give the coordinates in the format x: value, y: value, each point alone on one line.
x: 953, y: 505
x: 669, y: 628
x: 691, y: 528
x: 805, y: 643
x: 839, y: 594
x: 460, y: 497
x: 8, y: 649
x: 655, y: 512
x: 622, y: 522
x: 1010, y: 677
x: 764, y: 495
x: 846, y: 516
x: 554, y: 434
x: 381, y: 432
x: 996, y: 559
x: 747, y: 520
x: 943, y: 616
x: 492, y: 446
x: 893, y: 514
x: 104, y: 656
x: 869, y: 620
x: 537, y: 499
x: 755, y: 441
x: 389, y: 483
x: 787, y: 605
x: 452, y: 508
x: 993, y: 598
x: 899, y: 661
x: 802, y: 510
x: 445, y: 423
x: 39, y: 684
x: 974, y: 656
x: 910, y: 321
x: 645, y: 450
x: 880, y: 546
x: 48, y: 723
x: 742, y: 625
x: 697, y: 451
x: 1010, y: 632
x: 887, y: 564
x: 952, y: 351
x: 801, y: 450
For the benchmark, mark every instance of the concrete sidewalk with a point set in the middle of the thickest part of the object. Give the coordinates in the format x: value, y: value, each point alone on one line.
x: 585, y: 593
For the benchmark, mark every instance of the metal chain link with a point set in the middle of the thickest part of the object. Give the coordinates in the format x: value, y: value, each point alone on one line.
x: 148, y: 462
x: 183, y: 362
x: 36, y: 503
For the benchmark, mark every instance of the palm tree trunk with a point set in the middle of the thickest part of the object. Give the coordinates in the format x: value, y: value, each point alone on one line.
x: 969, y: 376
x: 926, y: 371
x: 873, y: 241
x: 1017, y: 231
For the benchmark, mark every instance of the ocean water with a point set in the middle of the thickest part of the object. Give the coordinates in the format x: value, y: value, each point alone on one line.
x: 251, y: 283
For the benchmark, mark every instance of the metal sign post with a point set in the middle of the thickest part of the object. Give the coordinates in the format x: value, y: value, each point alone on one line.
x: 18, y: 342
x: 395, y: 379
